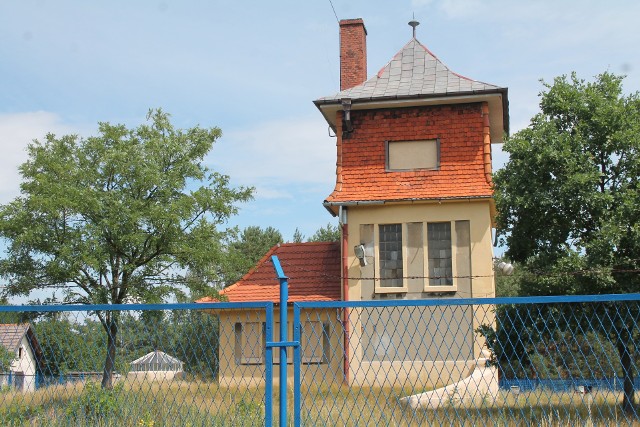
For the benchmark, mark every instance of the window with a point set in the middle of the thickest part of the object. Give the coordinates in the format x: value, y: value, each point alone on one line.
x: 413, y: 155
x: 390, y: 255
x: 416, y: 257
x: 20, y: 353
x: 314, y: 343
x: 249, y: 343
x: 440, y: 260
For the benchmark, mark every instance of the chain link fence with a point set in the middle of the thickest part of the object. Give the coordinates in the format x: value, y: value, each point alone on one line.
x: 552, y: 361
x: 166, y: 369
x: 499, y: 362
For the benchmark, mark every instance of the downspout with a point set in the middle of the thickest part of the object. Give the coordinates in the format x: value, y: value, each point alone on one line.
x: 345, y: 289
x: 486, y: 133
x: 338, y: 186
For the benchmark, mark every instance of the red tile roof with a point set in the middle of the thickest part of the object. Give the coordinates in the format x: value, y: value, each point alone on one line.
x: 313, y: 270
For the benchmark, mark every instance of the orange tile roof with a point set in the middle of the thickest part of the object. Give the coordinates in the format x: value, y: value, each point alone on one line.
x: 313, y: 270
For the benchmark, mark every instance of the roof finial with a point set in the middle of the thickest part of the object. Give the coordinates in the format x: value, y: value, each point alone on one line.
x: 413, y: 23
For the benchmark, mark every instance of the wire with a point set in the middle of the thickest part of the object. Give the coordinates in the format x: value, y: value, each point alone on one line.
x: 309, y: 273
x: 334, y: 12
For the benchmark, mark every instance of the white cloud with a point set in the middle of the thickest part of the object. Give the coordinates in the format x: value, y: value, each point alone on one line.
x: 278, y: 155
x: 17, y: 130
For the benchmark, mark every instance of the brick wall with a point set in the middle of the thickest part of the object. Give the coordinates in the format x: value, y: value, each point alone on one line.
x: 362, y: 154
x: 353, y: 53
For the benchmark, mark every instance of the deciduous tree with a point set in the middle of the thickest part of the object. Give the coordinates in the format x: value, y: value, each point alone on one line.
x: 244, y: 252
x: 117, y: 217
x: 568, y: 201
x: 330, y: 233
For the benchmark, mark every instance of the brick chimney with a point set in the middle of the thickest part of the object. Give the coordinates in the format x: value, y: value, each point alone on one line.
x: 353, y: 53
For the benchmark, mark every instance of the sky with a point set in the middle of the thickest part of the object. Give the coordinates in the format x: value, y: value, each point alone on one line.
x: 254, y: 68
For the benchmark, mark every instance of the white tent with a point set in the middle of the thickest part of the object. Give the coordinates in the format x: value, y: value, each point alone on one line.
x: 156, y: 365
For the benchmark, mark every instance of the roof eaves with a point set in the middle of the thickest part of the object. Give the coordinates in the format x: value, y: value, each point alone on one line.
x: 327, y: 204
x: 498, y: 90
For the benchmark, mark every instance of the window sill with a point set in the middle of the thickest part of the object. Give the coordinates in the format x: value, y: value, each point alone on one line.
x: 389, y: 290
x: 251, y: 361
x: 441, y: 289
x: 313, y: 361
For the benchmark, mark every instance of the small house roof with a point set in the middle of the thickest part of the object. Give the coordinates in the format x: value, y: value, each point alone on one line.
x: 312, y: 268
x: 11, y: 335
x: 157, y: 357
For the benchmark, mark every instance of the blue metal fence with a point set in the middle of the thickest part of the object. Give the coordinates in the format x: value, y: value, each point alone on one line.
x: 500, y: 361
x: 61, y: 365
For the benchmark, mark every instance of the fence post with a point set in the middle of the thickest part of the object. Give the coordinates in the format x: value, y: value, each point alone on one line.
x: 297, y: 361
x: 284, y: 296
x: 268, y: 371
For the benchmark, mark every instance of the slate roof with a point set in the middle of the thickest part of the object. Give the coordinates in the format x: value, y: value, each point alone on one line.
x: 413, y: 72
x: 313, y: 270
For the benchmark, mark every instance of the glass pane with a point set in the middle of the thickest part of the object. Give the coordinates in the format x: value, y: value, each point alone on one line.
x: 391, y: 255
x: 439, y: 251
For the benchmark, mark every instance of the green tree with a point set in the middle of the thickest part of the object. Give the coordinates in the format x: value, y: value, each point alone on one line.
x: 330, y: 233
x: 568, y: 201
x: 68, y: 345
x: 297, y: 236
x: 8, y: 316
x: 6, y: 357
x: 117, y: 217
x: 244, y: 252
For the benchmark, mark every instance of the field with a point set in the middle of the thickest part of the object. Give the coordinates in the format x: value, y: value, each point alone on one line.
x: 182, y: 403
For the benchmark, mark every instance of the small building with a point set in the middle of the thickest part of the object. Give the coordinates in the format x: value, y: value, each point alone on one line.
x: 19, y: 340
x: 414, y: 199
x: 156, y: 366
x: 313, y: 270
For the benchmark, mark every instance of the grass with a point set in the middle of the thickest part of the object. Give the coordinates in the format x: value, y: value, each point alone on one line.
x: 199, y: 403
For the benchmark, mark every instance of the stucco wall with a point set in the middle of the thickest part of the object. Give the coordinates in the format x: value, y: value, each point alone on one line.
x: 481, y: 284
x: 444, y: 341
x: 233, y: 372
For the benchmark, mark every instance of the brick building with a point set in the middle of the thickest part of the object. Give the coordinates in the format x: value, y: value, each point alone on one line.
x: 414, y: 198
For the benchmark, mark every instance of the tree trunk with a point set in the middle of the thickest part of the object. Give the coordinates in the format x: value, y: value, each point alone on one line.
x: 110, y: 360
x: 626, y: 361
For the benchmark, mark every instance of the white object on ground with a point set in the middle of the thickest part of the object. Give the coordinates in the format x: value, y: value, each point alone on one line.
x: 481, y: 384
